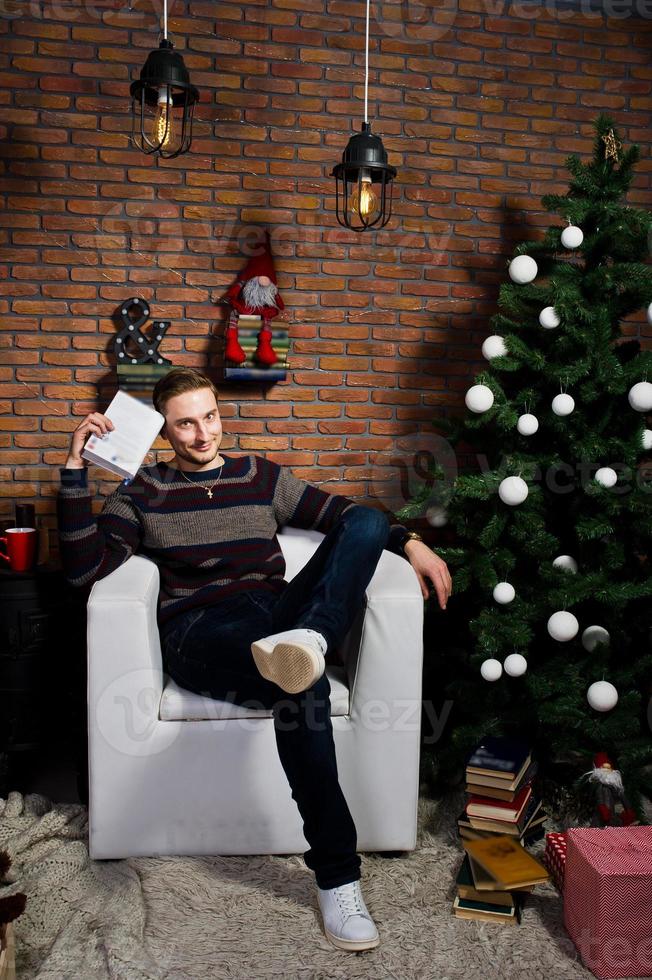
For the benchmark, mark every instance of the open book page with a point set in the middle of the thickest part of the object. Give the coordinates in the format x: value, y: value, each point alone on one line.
x: 123, y: 450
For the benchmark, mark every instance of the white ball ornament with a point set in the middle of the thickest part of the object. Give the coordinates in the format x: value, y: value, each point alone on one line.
x: 491, y: 669
x: 566, y: 563
x: 437, y: 516
x: 572, y: 237
x: 649, y: 314
x: 494, y: 346
x: 548, y: 318
x: 606, y: 476
x: 479, y: 398
x: 563, y: 626
x: 527, y: 424
x: 640, y: 396
x: 593, y: 635
x: 515, y: 665
x: 563, y: 404
x: 513, y: 490
x: 504, y: 592
x: 646, y: 439
x: 523, y: 269
x: 602, y: 696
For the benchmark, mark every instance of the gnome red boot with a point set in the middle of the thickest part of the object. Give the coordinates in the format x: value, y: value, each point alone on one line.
x: 264, y: 351
x: 233, y: 350
x: 606, y: 813
x: 628, y: 816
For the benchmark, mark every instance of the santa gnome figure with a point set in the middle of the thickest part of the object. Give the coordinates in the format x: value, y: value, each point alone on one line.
x: 254, y: 293
x: 609, y: 791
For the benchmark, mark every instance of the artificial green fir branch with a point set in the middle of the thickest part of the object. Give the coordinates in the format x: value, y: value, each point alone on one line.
x: 566, y: 514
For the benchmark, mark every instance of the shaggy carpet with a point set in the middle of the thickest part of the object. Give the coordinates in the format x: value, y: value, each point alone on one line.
x: 201, y: 918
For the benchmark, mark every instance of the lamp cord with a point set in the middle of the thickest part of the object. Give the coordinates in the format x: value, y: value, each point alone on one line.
x: 366, y: 68
x: 165, y: 19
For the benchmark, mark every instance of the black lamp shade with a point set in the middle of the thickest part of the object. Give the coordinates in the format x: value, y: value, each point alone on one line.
x: 163, y: 104
x: 364, y: 162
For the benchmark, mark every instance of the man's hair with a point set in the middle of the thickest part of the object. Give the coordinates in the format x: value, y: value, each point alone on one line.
x: 177, y: 382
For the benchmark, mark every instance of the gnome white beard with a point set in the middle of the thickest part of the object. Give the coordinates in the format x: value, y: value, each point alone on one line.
x: 258, y: 296
x: 608, y: 777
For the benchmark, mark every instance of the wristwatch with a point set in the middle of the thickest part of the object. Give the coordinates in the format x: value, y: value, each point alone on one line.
x: 410, y: 536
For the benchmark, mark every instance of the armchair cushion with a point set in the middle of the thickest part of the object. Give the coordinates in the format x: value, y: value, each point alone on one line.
x: 177, y: 704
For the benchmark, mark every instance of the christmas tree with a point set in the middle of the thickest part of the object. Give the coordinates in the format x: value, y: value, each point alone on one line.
x: 550, y: 551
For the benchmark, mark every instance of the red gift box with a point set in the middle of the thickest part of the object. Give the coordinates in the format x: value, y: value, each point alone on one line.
x: 554, y: 857
x: 608, y: 899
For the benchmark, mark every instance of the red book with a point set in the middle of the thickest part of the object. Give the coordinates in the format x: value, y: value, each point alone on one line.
x: 485, y: 806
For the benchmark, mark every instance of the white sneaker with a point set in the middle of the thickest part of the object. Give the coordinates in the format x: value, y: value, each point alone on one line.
x: 347, y: 922
x: 293, y: 659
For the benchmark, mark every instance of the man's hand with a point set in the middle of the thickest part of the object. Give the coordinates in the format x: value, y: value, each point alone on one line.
x: 428, y: 565
x: 94, y: 424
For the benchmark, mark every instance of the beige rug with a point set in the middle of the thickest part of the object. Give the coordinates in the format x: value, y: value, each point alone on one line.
x: 202, y: 918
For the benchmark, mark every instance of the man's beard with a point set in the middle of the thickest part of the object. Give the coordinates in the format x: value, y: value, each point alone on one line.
x: 197, y: 456
x: 258, y: 296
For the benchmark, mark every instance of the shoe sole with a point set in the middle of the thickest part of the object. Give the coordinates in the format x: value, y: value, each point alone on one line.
x: 292, y: 666
x: 351, y: 944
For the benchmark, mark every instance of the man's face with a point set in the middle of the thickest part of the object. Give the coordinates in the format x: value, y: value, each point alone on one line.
x: 193, y: 428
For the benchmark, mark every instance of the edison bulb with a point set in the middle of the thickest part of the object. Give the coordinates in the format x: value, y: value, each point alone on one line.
x: 363, y: 200
x: 162, y: 134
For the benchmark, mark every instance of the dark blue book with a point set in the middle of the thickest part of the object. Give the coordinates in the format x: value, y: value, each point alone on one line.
x: 502, y: 757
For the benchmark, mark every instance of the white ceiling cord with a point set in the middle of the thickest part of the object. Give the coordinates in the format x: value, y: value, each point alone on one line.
x: 165, y: 19
x: 366, y: 68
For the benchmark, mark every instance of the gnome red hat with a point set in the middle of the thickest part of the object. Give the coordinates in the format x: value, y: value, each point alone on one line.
x: 602, y: 759
x: 265, y: 300
x: 260, y: 265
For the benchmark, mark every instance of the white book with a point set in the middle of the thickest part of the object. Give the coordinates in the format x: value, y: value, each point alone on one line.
x: 123, y: 450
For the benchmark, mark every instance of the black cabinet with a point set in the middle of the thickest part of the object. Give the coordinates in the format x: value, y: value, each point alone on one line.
x: 42, y: 672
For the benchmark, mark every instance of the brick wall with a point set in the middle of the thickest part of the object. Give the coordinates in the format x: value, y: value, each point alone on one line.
x: 478, y: 104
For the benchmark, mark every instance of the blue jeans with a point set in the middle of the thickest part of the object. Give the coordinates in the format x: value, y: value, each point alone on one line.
x: 208, y: 651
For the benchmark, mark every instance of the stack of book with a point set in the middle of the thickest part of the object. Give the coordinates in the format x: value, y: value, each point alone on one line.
x: 494, y: 878
x: 501, y: 794
x: 249, y: 326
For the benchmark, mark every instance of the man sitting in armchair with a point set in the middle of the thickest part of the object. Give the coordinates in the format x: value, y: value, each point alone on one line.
x: 231, y: 627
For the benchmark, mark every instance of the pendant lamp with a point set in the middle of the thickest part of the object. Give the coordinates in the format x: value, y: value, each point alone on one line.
x: 363, y: 180
x: 163, y: 101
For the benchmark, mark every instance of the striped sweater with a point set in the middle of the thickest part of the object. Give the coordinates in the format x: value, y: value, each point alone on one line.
x: 206, y: 549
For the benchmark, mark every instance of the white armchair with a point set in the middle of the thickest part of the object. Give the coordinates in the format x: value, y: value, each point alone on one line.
x: 172, y: 772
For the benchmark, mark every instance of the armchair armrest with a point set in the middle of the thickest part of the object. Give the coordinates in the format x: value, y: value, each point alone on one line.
x: 383, y: 652
x: 385, y: 667
x: 125, y: 667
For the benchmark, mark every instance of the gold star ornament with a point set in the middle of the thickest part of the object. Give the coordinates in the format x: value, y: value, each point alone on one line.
x: 612, y: 146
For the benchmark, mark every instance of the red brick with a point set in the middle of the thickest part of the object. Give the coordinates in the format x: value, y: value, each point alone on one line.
x: 464, y: 108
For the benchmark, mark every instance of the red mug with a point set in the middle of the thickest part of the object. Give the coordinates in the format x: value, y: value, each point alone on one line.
x: 20, y: 543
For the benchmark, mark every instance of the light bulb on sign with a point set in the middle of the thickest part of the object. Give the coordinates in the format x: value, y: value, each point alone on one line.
x: 363, y: 199
x: 162, y: 130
